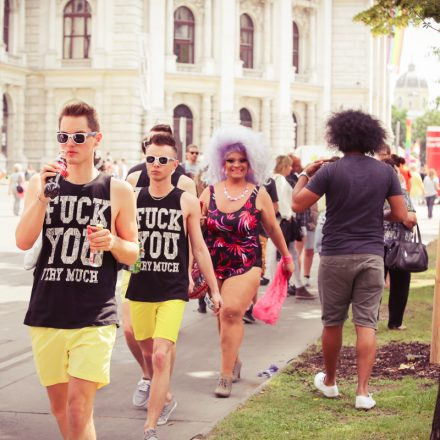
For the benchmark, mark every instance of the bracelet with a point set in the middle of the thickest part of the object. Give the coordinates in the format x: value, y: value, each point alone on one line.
x: 286, y: 259
x: 304, y: 173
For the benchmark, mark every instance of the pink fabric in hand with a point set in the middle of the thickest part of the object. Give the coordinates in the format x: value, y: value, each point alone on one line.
x: 268, y: 307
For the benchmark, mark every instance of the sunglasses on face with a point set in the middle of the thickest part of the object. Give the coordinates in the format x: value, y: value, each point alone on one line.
x: 78, y: 138
x: 231, y: 161
x: 194, y: 152
x: 162, y: 160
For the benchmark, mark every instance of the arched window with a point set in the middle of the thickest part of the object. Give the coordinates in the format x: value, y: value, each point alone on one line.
x: 184, y: 35
x: 183, y: 127
x: 247, y: 41
x: 6, y: 19
x: 77, y: 30
x: 295, y: 128
x: 4, y: 129
x: 245, y: 117
x: 295, y: 59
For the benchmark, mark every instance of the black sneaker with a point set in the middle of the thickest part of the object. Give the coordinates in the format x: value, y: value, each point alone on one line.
x: 264, y: 281
x: 291, y: 290
x: 248, y: 318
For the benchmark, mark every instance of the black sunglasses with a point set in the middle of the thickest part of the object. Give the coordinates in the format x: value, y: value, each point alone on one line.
x: 163, y: 160
x: 78, y: 138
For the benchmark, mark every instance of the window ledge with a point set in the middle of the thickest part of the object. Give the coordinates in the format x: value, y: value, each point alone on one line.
x: 80, y: 63
x: 186, y: 67
x: 252, y: 73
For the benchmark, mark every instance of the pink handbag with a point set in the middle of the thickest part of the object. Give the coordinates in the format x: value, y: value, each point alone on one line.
x: 268, y: 307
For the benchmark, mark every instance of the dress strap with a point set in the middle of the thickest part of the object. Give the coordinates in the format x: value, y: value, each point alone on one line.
x: 212, y: 204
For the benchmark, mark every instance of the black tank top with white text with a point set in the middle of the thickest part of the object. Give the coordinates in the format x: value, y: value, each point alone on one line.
x: 163, y: 273
x: 68, y: 292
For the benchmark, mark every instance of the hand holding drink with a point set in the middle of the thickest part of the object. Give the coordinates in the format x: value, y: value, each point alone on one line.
x: 93, y: 253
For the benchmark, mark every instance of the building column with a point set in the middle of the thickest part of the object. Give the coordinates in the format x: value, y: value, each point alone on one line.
x: 206, y: 120
x: 265, y: 119
x: 283, y: 122
x: 18, y: 127
x: 268, y: 41
x: 50, y: 56
x: 326, y: 57
x: 169, y: 105
x: 312, y: 47
x: 311, y: 123
x: 156, y: 74
x: 50, y: 148
x: 169, y: 26
x: 208, y: 62
x: 227, y: 15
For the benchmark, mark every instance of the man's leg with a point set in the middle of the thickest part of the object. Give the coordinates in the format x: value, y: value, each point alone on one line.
x: 365, y: 357
x: 331, y: 346
x: 80, y: 400
x: 58, y: 404
x: 162, y: 353
x: 132, y: 344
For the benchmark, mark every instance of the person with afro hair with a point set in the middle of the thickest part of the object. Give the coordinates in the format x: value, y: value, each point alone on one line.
x: 351, y: 269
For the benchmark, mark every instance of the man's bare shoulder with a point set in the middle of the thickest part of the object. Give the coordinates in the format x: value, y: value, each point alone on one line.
x: 133, y: 178
x: 186, y: 184
x: 121, y: 188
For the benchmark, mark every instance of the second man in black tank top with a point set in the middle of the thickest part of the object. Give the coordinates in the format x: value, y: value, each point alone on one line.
x: 167, y: 217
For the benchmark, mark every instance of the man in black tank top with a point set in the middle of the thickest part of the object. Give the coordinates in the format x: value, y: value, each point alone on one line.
x: 72, y: 311
x: 167, y: 217
x: 138, y: 177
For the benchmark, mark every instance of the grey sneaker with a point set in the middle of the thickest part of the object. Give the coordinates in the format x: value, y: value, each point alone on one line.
x: 166, y: 412
x: 151, y: 434
x: 141, y: 393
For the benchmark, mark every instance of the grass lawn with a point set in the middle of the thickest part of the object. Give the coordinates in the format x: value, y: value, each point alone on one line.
x: 290, y: 408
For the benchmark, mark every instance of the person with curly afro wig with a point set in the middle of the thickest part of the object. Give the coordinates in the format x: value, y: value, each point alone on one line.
x: 351, y: 269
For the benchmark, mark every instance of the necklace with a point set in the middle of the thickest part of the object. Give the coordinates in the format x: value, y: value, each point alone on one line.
x: 158, y: 198
x: 234, y: 199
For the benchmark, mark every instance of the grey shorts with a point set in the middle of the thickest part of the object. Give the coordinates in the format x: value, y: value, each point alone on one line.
x: 356, y: 279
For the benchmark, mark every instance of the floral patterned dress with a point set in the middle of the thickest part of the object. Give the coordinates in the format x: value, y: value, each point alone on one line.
x: 232, y: 238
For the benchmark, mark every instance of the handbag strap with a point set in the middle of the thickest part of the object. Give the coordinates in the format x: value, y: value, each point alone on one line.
x: 418, y: 235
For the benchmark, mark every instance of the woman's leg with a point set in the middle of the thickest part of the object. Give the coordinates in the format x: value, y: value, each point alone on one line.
x: 237, y: 293
x: 399, y: 291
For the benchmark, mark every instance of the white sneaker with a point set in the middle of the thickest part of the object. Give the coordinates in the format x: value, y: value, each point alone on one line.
x: 328, y: 391
x: 166, y: 412
x: 365, y: 402
x: 141, y: 393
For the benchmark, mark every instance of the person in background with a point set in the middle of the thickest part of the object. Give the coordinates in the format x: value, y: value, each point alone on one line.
x: 191, y: 165
x: 351, y: 269
x: 16, y: 188
x: 29, y: 172
x: 235, y: 204
x: 308, y: 221
x: 417, y: 190
x: 399, y: 279
x: 431, y: 186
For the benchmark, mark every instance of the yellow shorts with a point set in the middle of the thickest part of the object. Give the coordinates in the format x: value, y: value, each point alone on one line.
x: 157, y: 319
x: 125, y: 279
x: 83, y: 353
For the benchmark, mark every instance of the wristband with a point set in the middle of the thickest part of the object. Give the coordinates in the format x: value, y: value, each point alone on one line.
x: 286, y: 259
x: 304, y: 174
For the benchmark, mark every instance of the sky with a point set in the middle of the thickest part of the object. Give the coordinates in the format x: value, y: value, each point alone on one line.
x: 417, y: 47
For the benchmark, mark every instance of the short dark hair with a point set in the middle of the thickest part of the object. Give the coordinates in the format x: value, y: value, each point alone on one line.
x: 163, y: 128
x: 159, y: 128
x: 354, y: 130
x: 81, y: 108
x: 162, y: 139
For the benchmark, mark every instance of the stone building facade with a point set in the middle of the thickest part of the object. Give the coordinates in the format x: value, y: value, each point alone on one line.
x: 280, y: 66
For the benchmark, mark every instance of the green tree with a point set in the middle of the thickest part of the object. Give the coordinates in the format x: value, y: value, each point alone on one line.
x: 398, y: 115
x: 431, y: 117
x: 384, y: 15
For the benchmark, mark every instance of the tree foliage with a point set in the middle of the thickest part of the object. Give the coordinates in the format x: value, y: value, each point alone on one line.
x: 384, y: 15
x: 431, y: 117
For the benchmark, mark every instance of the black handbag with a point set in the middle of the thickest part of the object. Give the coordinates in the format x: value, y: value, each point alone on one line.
x: 408, y: 256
